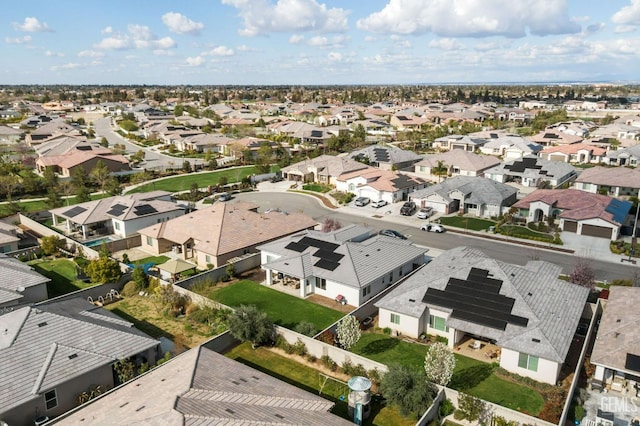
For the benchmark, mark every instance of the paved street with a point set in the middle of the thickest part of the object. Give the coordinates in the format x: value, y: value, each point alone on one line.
x: 606, y: 265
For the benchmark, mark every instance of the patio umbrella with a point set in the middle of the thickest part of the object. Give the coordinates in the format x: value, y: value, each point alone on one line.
x: 176, y: 266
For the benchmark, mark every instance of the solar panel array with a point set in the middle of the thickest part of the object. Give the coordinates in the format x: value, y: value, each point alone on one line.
x: 74, y: 211
x: 329, y: 259
x: 521, y: 165
x: 117, y: 209
x: 632, y: 362
x: 144, y: 209
x: 381, y: 155
x: 476, y: 299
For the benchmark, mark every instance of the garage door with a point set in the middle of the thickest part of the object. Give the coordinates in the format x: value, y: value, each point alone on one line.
x: 570, y: 226
x: 596, y: 231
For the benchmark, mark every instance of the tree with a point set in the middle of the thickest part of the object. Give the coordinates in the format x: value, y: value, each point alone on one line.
x: 331, y: 224
x: 112, y: 186
x: 49, y: 178
x: 140, y: 278
x: 125, y: 370
x: 100, y: 173
x: 8, y: 185
x: 186, y: 166
x: 408, y: 389
x: 439, y: 364
x: 103, y: 269
x: 51, y: 245
x: 80, y: 182
x: 440, y: 170
x: 104, y: 142
x: 471, y: 407
x: 306, y: 328
x: 263, y: 158
x: 248, y: 324
x: 583, y: 274
x: 348, y: 331
x: 53, y: 198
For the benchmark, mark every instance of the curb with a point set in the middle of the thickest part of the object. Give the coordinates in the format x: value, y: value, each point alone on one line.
x: 513, y: 241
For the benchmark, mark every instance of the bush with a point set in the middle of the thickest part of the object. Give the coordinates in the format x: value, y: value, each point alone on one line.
x: 329, y: 363
x: 299, y: 348
x: 130, y: 289
x: 578, y: 412
x: 386, y: 331
x: 311, y: 358
x: 446, y: 408
x: 306, y: 328
x: 458, y: 415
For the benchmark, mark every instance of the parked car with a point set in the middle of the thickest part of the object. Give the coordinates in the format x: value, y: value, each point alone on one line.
x: 362, y: 201
x: 225, y: 196
x: 425, y: 213
x: 379, y: 203
x: 392, y: 233
x: 432, y: 227
x: 408, y: 208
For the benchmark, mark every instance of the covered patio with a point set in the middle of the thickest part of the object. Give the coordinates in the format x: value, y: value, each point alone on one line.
x: 481, y: 350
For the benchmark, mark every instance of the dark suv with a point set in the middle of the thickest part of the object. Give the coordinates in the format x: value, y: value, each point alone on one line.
x: 408, y: 208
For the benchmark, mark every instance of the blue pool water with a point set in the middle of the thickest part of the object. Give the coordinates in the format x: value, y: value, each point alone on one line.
x: 98, y: 242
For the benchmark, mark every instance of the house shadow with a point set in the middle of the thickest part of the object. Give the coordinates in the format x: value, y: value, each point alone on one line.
x: 470, y: 377
x: 380, y: 346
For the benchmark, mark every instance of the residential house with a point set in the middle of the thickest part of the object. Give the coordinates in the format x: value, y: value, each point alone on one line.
x: 579, y: 212
x: 203, y: 142
x: 626, y: 134
x: 324, y: 169
x: 61, y: 143
x: 121, y: 215
x: 54, y: 351
x: 616, y: 351
x: 21, y: 284
x: 513, y: 114
x: 9, y: 135
x: 386, y: 157
x: 44, y: 132
x: 407, y: 122
x: 624, y: 157
x: 533, y: 172
x: 614, y: 181
x: 527, y: 310
x: 203, y: 386
x: 551, y: 137
x: 580, y: 153
x: 64, y: 164
x: 223, y: 231
x: 575, y: 127
x: 457, y: 162
x: 9, y: 238
x: 348, y: 263
x: 379, y: 184
x: 458, y: 142
x: 467, y: 194
x: 510, y: 147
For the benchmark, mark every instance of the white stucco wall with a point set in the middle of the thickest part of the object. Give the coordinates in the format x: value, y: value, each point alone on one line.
x: 132, y: 226
x: 599, y: 222
x: 408, y: 326
x: 547, y: 370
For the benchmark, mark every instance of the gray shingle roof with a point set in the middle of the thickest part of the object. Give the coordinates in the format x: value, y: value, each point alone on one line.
x: 39, y: 340
x: 392, y: 154
x: 553, y: 307
x: 16, y: 275
x: 478, y: 189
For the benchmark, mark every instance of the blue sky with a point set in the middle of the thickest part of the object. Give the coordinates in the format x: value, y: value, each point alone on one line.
x: 202, y: 42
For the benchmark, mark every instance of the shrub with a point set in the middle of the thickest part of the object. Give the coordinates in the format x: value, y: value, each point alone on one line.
x: 578, y: 412
x: 306, y: 328
x: 130, y: 289
x: 299, y: 348
x: 311, y: 358
x: 446, y: 408
x: 386, y: 330
x: 458, y: 415
x: 329, y: 363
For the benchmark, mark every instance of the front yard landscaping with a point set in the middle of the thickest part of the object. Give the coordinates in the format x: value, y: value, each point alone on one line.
x: 62, y: 273
x: 470, y: 223
x: 471, y: 376
x: 283, y: 309
x: 184, y: 182
x: 308, y: 378
x: 524, y: 232
x: 316, y: 187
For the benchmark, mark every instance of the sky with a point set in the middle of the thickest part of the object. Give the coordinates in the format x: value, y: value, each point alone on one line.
x: 309, y: 42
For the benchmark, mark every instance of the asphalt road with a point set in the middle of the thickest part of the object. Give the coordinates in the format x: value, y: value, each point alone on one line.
x: 507, y: 252
x: 152, y: 159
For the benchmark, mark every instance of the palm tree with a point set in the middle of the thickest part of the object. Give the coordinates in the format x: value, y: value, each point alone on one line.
x: 440, y: 170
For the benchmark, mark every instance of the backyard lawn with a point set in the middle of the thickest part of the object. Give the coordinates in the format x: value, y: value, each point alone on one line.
x: 283, y: 309
x: 470, y: 223
x: 307, y: 378
x: 471, y: 376
x: 62, y: 273
x: 184, y: 182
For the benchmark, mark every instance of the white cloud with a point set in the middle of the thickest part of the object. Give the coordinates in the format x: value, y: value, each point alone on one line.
x: 263, y: 17
x: 68, y: 66
x: 90, y: 54
x: 370, y: 38
x: 625, y: 28
x: 446, y: 44
x: 107, y: 30
x: 594, y: 28
x: 245, y: 48
x: 296, y: 39
x: 50, y: 53
x: 138, y: 37
x: 628, y: 15
x: 334, y: 57
x: 471, y: 18
x: 32, y: 25
x: 195, y: 61
x: 180, y: 24
x: 18, y: 40
x: 318, y: 41
x: 222, y: 51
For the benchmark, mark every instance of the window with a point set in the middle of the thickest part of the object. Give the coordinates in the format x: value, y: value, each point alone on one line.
x: 438, y: 323
x: 116, y: 225
x: 149, y: 241
x: 527, y: 361
x: 391, y: 276
x: 366, y: 291
x: 321, y: 283
x: 50, y: 399
x: 207, y: 258
x: 395, y: 319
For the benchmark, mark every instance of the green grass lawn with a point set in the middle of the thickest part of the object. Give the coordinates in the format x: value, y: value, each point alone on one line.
x: 283, y: 309
x: 524, y: 232
x: 471, y: 223
x: 62, y: 273
x: 307, y: 378
x: 156, y: 260
x: 317, y: 188
x: 184, y: 182
x: 470, y: 375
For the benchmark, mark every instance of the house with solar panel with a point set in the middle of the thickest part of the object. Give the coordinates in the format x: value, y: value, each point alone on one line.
x: 532, y: 172
x: 54, y: 351
x: 378, y: 184
x: 579, y: 212
x: 526, y: 312
x: 386, y: 157
x: 120, y: 216
x: 348, y: 265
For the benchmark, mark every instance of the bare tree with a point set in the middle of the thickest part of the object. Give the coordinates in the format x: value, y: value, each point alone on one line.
x: 583, y: 274
x: 330, y: 225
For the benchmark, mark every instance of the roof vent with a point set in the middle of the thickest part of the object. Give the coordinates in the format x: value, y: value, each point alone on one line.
x: 280, y: 416
x: 42, y: 324
x: 412, y: 300
x: 616, y: 334
x: 72, y: 356
x: 229, y: 410
x: 235, y: 383
x: 618, y: 320
x: 255, y: 377
x: 513, y: 275
x: 535, y: 340
x: 140, y: 408
x: 529, y: 294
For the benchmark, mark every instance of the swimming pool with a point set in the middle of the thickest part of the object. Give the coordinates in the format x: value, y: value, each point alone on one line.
x: 98, y: 242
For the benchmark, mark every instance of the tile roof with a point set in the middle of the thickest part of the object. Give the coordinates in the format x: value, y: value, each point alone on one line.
x: 202, y: 387
x: 384, y: 180
x: 619, y: 330
x: 464, y: 160
x: 578, y: 205
x: 479, y: 190
x: 385, y: 154
x: 76, y: 157
x: 38, y: 342
x: 552, y: 306
x: 227, y: 227
x: 325, y: 165
x: 533, y: 167
x: 574, y: 148
x: 16, y: 276
x: 611, y: 176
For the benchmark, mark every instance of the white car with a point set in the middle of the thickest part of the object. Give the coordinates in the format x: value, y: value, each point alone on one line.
x: 432, y: 227
x: 425, y: 213
x: 362, y: 201
x: 378, y: 204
